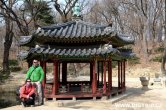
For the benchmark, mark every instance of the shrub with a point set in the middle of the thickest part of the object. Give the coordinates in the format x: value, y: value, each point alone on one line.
x: 159, y: 49
x: 134, y: 60
x: 15, y: 68
x: 4, y: 75
x: 13, y: 62
x: 114, y: 63
x: 156, y: 59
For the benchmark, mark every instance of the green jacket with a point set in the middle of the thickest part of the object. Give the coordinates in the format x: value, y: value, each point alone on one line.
x: 36, y: 75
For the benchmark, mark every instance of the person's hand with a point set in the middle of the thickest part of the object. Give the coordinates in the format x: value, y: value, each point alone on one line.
x: 30, y: 97
x: 38, y: 82
x: 27, y: 96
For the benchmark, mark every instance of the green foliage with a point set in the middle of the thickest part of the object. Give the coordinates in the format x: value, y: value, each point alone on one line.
x: 44, y: 15
x: 7, y: 99
x: 156, y: 59
x: 15, y: 68
x: 13, y: 62
x: 4, y: 75
x: 134, y: 60
x: 114, y: 64
x: 41, y: 9
x: 159, y: 49
x: 4, y: 103
x: 24, y: 71
x: 14, y: 65
x: 49, y: 69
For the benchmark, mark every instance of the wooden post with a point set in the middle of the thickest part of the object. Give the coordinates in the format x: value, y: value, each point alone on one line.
x: 55, y: 84
x: 59, y: 71
x: 30, y: 62
x: 91, y: 72
x: 118, y: 74
x: 104, y: 86
x: 43, y: 65
x: 102, y: 72
x: 94, y: 87
x: 98, y: 71
x: 124, y: 74
x: 121, y: 74
x: 110, y: 74
x: 64, y: 72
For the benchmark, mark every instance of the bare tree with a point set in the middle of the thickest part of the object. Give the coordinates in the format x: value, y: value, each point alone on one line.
x: 19, y: 17
x: 8, y: 37
x: 65, y: 9
x: 163, y: 70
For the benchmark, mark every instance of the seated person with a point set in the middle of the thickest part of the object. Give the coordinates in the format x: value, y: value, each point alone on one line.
x: 27, y: 93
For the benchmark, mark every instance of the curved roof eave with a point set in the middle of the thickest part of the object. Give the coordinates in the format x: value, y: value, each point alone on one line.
x: 79, y: 52
x: 119, y: 40
x: 79, y: 31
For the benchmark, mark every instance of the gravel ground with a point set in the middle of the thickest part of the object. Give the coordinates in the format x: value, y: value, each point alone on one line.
x: 151, y: 99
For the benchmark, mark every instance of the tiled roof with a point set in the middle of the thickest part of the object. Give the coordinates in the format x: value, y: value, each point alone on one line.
x: 73, y: 52
x: 77, y: 32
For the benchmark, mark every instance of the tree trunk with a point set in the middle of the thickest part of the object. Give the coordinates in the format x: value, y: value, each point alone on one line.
x: 144, y: 47
x: 7, y: 44
x: 64, y: 18
x: 164, y: 54
x: 163, y: 63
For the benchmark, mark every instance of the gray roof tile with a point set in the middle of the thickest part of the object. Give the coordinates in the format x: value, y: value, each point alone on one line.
x: 77, y: 32
x: 77, y: 52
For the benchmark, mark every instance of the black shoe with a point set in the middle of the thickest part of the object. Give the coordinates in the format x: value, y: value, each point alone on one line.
x: 23, y: 105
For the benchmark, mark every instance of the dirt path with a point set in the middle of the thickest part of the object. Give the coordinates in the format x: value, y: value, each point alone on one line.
x: 152, y: 99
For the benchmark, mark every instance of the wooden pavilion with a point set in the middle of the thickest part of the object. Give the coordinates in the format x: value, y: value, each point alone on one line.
x: 79, y: 42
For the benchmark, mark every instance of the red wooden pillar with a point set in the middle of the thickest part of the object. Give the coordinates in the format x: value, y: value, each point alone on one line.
x: 104, y: 86
x: 124, y: 75
x: 91, y: 72
x: 43, y: 64
x: 119, y: 74
x: 94, y: 83
x: 59, y: 71
x: 55, y: 82
x: 98, y: 71
x: 30, y: 62
x: 110, y: 74
x: 102, y: 72
x: 64, y: 72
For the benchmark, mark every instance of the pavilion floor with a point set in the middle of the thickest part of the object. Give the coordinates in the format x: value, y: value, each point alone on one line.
x: 80, y: 94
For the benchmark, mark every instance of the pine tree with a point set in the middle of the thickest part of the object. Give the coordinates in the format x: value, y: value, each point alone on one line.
x: 40, y: 10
